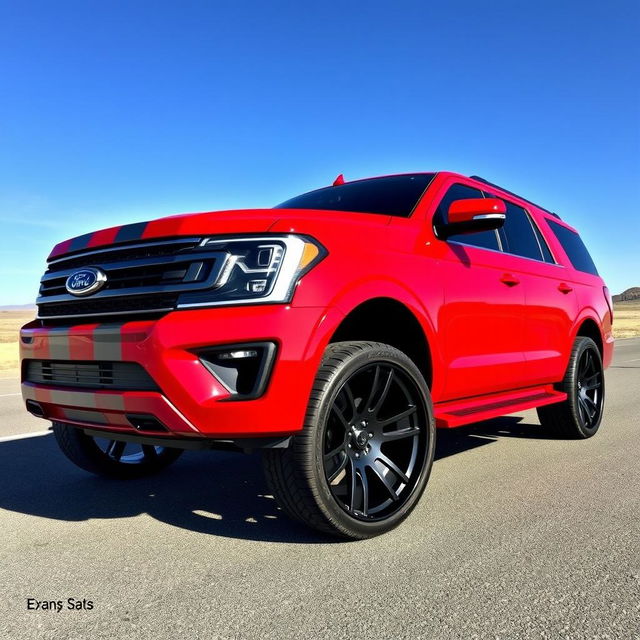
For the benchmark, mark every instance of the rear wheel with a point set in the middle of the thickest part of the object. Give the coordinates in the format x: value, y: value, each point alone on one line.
x: 113, y: 458
x: 579, y: 416
x: 364, y: 456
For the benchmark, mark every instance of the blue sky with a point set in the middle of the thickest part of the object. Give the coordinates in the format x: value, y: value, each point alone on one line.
x: 114, y: 112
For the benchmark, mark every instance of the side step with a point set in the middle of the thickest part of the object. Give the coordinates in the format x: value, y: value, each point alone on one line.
x: 460, y: 412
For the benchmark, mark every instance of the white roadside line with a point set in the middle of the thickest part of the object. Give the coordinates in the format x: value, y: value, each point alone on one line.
x: 22, y: 436
x: 634, y: 360
x: 6, y: 395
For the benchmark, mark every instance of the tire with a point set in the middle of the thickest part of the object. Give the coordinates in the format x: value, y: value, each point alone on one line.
x: 363, y: 458
x: 112, y: 458
x: 580, y: 415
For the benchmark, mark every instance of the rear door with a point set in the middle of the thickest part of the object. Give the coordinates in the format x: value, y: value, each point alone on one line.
x: 481, y: 323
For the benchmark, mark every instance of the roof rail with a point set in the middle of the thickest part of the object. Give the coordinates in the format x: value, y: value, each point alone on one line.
x: 491, y: 184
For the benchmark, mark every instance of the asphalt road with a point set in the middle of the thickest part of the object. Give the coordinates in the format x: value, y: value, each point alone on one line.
x: 517, y: 536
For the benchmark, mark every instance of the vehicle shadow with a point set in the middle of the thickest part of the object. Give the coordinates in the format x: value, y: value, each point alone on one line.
x: 221, y: 494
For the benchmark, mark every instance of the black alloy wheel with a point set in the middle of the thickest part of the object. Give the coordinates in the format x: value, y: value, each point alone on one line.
x: 364, y: 457
x: 589, y: 389
x: 114, y: 458
x: 580, y: 415
x: 374, y: 446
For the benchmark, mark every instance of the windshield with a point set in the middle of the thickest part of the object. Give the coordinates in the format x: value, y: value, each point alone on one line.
x: 390, y: 196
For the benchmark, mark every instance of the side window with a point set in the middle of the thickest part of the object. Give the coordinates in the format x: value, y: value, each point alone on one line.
x: 546, y: 252
x: 483, y: 239
x: 574, y: 248
x: 517, y: 234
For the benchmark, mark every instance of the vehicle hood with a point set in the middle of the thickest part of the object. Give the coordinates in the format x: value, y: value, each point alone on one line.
x: 218, y: 223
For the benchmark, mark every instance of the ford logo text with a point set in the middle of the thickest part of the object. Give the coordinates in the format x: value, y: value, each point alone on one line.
x: 86, y: 281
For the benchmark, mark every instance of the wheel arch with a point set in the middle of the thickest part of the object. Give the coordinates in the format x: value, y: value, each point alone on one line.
x: 588, y: 327
x: 393, y: 322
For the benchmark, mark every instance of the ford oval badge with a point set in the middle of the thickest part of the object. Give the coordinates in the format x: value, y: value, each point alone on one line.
x: 86, y: 281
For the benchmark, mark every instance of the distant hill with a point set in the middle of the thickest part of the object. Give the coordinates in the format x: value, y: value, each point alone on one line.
x: 629, y: 294
x: 17, y: 307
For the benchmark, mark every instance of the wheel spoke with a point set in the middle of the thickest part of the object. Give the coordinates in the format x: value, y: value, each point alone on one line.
x: 584, y: 411
x: 592, y: 382
x: 590, y: 404
x: 352, y: 502
x: 115, y: 449
x: 334, y: 452
x: 385, y: 392
x: 388, y: 462
x: 405, y: 414
x: 385, y: 481
x: 350, y: 400
x: 374, y: 388
x: 365, y: 492
x: 340, y: 415
x: 338, y: 470
x: 587, y: 362
x: 399, y: 434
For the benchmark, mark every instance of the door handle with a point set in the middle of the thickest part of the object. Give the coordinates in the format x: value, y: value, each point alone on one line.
x: 564, y: 288
x: 509, y: 279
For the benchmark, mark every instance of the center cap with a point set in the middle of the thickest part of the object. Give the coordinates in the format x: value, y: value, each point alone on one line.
x: 360, y: 437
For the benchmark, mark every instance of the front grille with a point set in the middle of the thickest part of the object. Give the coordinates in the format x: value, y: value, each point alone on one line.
x: 146, y: 277
x: 116, y: 376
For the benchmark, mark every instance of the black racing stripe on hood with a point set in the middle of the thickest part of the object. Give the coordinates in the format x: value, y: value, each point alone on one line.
x: 80, y: 242
x: 131, y: 232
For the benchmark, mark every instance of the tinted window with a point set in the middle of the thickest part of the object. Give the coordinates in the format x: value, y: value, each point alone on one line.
x: 546, y: 253
x: 518, y: 235
x: 391, y: 196
x: 484, y: 239
x: 574, y: 248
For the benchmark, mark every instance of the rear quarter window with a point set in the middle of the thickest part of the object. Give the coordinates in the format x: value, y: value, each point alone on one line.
x: 574, y: 248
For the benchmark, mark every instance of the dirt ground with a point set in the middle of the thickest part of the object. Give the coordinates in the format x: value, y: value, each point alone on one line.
x: 10, y: 323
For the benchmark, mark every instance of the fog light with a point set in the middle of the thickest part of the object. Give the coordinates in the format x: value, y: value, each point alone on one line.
x: 243, y: 369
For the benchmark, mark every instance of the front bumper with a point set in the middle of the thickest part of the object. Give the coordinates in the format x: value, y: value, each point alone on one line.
x: 191, y: 402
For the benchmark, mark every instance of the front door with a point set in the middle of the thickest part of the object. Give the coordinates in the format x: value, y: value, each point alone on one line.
x: 481, y: 323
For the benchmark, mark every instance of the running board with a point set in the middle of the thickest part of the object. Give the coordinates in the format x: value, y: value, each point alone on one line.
x: 459, y: 412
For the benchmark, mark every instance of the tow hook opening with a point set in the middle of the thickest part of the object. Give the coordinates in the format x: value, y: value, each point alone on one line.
x: 34, y: 408
x: 145, y: 422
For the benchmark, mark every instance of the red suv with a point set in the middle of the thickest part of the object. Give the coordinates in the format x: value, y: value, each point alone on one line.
x: 334, y: 332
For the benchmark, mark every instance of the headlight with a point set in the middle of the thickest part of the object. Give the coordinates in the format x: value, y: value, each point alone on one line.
x: 257, y: 270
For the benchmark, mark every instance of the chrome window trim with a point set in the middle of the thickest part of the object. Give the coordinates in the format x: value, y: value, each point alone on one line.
x: 504, y: 253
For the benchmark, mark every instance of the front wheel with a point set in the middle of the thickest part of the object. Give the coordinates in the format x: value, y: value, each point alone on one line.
x: 113, y: 458
x: 363, y: 459
x: 579, y: 416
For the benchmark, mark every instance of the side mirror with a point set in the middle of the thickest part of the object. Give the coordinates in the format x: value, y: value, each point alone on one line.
x: 473, y: 215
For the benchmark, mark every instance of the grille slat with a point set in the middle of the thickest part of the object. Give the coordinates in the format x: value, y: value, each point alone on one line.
x: 105, y: 306
x: 117, y: 376
x: 128, y: 252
